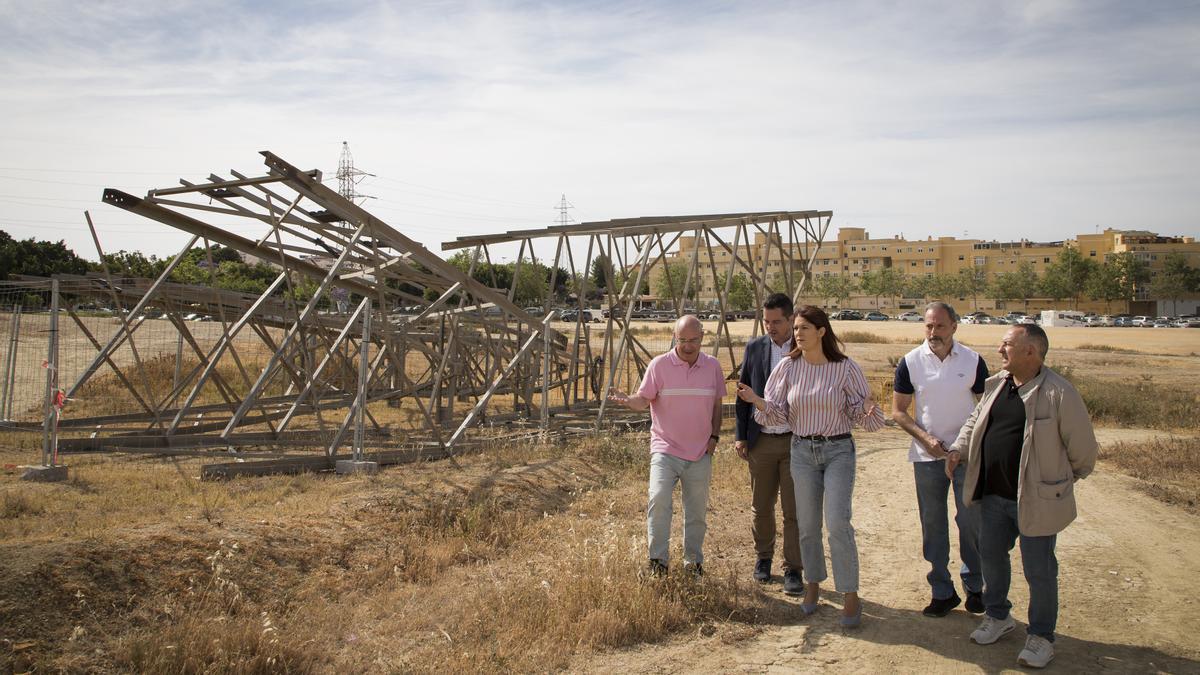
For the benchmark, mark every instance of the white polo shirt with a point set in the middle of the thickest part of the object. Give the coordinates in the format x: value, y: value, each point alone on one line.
x: 943, y: 391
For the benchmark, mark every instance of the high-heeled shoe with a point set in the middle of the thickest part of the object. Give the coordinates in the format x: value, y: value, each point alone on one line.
x: 853, y: 621
x: 808, y: 609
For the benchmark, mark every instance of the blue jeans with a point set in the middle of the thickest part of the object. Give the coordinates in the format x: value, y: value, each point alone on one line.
x: 998, y: 532
x: 694, y: 477
x: 932, y: 489
x: 823, y: 473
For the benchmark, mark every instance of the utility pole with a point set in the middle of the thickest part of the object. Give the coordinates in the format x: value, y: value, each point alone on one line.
x: 563, y: 217
x: 349, y: 177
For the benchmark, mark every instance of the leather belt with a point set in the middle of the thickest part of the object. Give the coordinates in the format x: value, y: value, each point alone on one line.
x: 825, y: 439
x: 782, y: 433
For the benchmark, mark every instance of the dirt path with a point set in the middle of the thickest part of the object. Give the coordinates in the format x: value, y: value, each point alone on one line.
x: 1127, y: 567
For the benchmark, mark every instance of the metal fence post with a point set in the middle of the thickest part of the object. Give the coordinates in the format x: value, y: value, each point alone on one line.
x: 364, y: 366
x: 50, y: 426
x: 10, y: 366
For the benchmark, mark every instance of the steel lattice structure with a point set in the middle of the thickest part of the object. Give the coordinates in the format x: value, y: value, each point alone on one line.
x: 281, y: 372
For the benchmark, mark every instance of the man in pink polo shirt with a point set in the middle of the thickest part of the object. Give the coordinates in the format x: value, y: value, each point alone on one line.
x: 683, y: 389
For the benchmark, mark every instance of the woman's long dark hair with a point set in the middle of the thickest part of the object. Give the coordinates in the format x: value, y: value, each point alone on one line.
x: 830, y: 345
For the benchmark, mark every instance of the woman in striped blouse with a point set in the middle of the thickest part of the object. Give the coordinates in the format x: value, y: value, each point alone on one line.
x: 821, y: 393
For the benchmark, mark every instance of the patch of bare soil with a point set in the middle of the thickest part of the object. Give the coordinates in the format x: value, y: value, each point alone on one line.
x: 1126, y: 567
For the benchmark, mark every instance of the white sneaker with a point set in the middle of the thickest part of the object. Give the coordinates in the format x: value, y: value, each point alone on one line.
x: 1037, y: 652
x: 993, y: 629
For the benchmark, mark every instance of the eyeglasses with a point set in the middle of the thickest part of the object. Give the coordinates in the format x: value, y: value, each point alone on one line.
x: 688, y: 341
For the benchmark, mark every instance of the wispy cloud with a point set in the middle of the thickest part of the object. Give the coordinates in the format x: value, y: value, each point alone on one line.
x: 1005, y: 119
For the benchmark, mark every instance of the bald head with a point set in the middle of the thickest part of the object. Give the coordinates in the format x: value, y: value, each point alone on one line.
x: 688, y: 334
x: 687, y: 321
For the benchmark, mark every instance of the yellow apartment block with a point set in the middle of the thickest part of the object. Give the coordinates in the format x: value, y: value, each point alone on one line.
x: 854, y: 252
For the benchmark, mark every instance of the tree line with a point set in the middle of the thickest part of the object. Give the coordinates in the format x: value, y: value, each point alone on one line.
x: 1070, y: 277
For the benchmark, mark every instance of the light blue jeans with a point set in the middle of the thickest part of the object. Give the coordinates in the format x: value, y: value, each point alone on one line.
x: 694, y: 477
x: 932, y: 490
x: 823, y: 472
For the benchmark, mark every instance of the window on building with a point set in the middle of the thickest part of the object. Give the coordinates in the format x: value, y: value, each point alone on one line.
x: 962, y: 257
x: 913, y: 263
x: 929, y: 263
x: 1093, y: 254
x: 1045, y: 260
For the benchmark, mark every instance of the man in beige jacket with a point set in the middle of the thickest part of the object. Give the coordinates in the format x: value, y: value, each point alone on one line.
x: 1026, y: 443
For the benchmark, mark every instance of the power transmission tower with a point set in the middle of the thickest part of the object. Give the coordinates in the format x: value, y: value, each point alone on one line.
x: 563, y: 217
x: 349, y: 177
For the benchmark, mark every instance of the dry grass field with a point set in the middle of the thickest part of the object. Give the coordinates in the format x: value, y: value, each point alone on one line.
x: 529, y: 557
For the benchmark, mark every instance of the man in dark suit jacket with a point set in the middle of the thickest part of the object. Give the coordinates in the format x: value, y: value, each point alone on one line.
x: 768, y: 450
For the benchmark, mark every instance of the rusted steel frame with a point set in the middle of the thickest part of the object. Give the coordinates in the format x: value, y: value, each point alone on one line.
x: 352, y: 411
x: 722, y: 325
x: 487, y: 395
x: 217, y: 186
x: 329, y: 279
x: 227, y: 392
x: 320, y: 369
x: 201, y: 229
x: 693, y: 274
x: 662, y: 258
x: 120, y: 375
x: 625, y: 227
x: 90, y: 370
x: 137, y: 359
x: 214, y: 356
x: 240, y: 212
x: 738, y: 232
x: 620, y: 350
x: 313, y: 223
x: 351, y: 212
x: 277, y: 220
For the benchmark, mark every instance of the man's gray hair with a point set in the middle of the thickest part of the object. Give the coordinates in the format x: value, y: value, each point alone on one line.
x: 1037, y: 336
x: 945, y: 307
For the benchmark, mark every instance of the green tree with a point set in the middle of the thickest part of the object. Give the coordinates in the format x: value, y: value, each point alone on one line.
x: 1020, y: 284
x: 945, y: 287
x: 973, y: 281
x: 1067, y: 276
x: 1105, y: 284
x: 1132, y: 271
x: 741, y: 292
x: 888, y: 282
x: 1176, y: 280
x: 602, y: 271
x: 669, y: 283
x: 833, y: 287
x: 37, y: 258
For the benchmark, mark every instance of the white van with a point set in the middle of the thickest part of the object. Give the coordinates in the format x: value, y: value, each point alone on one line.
x: 1053, y: 317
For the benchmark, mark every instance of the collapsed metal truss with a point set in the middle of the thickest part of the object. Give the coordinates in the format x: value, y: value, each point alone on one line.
x: 281, y: 372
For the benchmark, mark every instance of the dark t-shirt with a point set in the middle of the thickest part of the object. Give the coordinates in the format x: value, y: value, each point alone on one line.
x: 1000, y: 469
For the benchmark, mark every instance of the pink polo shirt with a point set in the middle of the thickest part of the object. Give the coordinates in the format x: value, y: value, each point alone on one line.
x: 681, y: 403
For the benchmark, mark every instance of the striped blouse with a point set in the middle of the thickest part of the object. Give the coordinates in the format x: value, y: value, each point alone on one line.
x: 824, y: 400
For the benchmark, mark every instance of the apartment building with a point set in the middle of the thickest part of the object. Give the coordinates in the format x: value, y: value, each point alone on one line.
x: 854, y: 252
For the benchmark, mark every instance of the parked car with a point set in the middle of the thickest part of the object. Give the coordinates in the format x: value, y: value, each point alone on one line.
x: 847, y: 315
x: 572, y: 315
x: 970, y: 318
x: 1026, y: 320
x: 909, y: 316
x: 1142, y: 320
x: 876, y: 316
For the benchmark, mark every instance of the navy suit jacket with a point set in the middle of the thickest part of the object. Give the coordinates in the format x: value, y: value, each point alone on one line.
x: 756, y: 368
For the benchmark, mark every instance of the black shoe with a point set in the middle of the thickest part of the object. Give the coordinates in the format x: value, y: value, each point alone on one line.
x: 942, y: 607
x: 762, y: 570
x: 792, y: 584
x: 974, y: 602
x: 657, y: 568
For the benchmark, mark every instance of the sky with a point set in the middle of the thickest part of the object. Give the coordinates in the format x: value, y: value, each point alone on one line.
x: 993, y: 119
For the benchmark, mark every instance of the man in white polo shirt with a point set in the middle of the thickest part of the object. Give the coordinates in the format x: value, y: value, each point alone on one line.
x: 946, y: 378
x: 683, y: 389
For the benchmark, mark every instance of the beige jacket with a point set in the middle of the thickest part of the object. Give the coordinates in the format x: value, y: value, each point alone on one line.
x: 1059, y: 448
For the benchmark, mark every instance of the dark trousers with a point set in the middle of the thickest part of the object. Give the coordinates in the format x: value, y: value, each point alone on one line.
x: 997, y: 535
x: 770, y: 476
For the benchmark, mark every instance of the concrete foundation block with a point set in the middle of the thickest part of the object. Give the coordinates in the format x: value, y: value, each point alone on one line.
x: 350, y: 466
x: 43, y: 473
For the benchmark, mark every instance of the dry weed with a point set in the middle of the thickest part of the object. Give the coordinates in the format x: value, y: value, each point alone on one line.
x: 1168, y: 469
